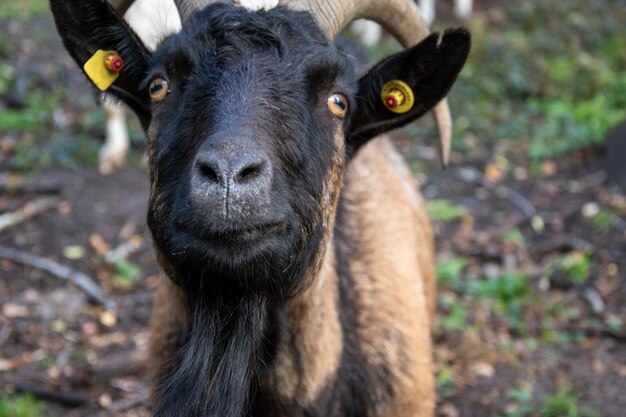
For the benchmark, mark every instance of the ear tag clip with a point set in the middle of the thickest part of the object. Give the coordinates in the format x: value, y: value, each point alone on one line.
x: 103, y: 68
x: 397, y: 96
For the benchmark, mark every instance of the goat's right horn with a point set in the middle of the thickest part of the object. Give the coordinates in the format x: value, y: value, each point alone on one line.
x: 402, y: 18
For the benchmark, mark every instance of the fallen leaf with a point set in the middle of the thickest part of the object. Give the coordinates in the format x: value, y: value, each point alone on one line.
x: 448, y: 410
x: 483, y: 369
x: 14, y: 311
x: 98, y: 244
x: 494, y: 173
x: 108, y: 319
x: 549, y: 168
x: 105, y: 400
x: 74, y: 252
x: 7, y: 365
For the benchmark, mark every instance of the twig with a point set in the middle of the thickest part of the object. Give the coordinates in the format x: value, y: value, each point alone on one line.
x: 124, y: 250
x: 73, y: 399
x: 619, y: 223
x: 126, y: 403
x: 598, y: 332
x: 5, y: 333
x: 593, y: 297
x: 16, y: 183
x: 472, y: 175
x: 81, y: 280
x: 560, y: 242
x: 122, y: 363
x: 27, y: 211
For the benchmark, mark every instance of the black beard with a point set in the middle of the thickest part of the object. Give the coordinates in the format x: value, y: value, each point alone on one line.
x: 217, y: 361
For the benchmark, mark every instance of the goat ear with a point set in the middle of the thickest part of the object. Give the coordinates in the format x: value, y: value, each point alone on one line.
x: 425, y: 71
x: 87, y: 26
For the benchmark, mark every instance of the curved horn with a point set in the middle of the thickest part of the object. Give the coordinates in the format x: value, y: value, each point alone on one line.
x: 402, y: 18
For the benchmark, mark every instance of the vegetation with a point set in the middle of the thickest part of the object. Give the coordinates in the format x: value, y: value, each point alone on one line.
x: 20, y: 406
x: 547, y: 74
x: 444, y: 211
x: 544, y: 79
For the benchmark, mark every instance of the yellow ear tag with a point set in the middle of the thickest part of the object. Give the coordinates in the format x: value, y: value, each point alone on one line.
x: 397, y: 96
x: 103, y: 68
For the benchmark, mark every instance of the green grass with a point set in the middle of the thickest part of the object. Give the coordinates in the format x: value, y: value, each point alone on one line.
x: 20, y: 406
x: 446, y: 381
x: 575, y: 266
x: 450, y: 272
x: 507, y: 296
x: 125, y: 272
x: 23, y: 9
x: 444, y: 211
x: 550, y: 76
x: 60, y: 150
x: 520, y: 400
x: 603, y: 220
x: 565, y: 404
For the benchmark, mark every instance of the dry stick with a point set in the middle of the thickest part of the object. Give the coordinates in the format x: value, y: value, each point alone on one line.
x: 472, y: 175
x: 16, y: 183
x: 122, y: 363
x: 81, y: 280
x: 124, y: 250
x: 126, y: 403
x: 5, y: 333
x: 27, y: 211
x: 561, y: 241
x: 73, y: 399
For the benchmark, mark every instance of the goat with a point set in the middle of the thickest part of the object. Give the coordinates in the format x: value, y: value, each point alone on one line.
x: 298, y: 254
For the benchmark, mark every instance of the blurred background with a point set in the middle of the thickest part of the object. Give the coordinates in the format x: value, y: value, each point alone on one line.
x: 530, y: 221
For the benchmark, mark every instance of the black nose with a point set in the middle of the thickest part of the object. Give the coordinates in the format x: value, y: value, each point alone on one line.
x: 231, y: 180
x: 240, y: 171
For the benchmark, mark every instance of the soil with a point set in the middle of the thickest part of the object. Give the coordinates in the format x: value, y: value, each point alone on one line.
x: 81, y: 360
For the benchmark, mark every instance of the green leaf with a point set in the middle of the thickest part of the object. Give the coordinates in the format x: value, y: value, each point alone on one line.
x: 444, y: 211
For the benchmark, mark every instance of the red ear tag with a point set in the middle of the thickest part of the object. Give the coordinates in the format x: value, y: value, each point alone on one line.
x: 391, y: 101
x: 114, y: 62
x: 397, y: 96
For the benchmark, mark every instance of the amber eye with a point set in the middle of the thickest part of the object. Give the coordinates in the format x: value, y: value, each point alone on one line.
x: 338, y: 105
x: 158, y: 89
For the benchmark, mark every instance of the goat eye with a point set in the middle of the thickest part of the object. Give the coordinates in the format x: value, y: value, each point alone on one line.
x: 158, y: 89
x: 338, y: 105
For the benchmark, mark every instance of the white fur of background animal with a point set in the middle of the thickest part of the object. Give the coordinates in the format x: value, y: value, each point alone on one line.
x: 370, y: 32
x: 152, y: 20
x: 255, y: 5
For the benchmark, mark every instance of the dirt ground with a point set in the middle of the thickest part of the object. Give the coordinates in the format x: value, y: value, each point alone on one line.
x: 561, y: 335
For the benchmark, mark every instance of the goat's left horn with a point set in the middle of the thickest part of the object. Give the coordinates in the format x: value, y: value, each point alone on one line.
x: 402, y: 18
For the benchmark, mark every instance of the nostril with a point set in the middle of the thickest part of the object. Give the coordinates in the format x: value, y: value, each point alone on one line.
x: 249, y: 172
x: 208, y: 172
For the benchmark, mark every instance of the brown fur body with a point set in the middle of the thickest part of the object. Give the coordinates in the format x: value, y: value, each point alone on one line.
x: 370, y: 307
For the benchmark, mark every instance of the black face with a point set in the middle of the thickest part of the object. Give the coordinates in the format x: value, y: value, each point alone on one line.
x: 243, y: 146
x: 251, y: 117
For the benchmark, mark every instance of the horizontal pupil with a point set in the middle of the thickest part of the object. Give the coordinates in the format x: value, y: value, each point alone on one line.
x: 156, y: 88
x: 340, y: 103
